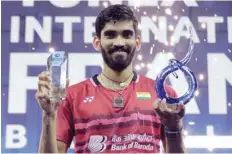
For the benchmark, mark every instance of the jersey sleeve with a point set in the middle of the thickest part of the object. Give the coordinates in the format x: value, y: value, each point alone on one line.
x: 64, y: 125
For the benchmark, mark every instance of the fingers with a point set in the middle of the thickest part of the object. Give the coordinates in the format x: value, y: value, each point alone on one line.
x: 45, y: 88
x: 164, y: 106
x: 181, y: 109
x: 42, y: 96
x: 163, y: 109
x: 42, y: 84
x: 161, y: 105
x: 44, y: 76
x: 44, y: 81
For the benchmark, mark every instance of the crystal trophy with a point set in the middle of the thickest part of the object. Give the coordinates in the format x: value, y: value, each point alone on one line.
x: 171, y: 68
x: 57, y: 67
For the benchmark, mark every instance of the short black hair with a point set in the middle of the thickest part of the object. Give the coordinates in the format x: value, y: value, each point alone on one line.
x: 118, y: 12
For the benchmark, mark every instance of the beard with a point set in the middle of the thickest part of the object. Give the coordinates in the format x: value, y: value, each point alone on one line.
x: 118, y: 58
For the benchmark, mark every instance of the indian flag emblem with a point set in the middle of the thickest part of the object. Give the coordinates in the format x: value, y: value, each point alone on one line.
x: 143, y: 95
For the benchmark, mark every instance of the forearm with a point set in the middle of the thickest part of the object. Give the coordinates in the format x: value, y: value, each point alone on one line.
x: 48, y: 142
x: 175, y: 144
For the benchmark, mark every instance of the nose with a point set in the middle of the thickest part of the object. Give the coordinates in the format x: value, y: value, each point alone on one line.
x: 119, y: 42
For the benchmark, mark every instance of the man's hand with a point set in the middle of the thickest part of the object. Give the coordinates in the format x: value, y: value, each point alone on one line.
x: 170, y: 115
x: 42, y: 95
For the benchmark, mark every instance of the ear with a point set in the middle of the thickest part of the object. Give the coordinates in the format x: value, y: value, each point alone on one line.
x: 97, y: 43
x: 138, y: 43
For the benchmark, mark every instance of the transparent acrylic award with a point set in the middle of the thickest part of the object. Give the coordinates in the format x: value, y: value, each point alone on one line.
x: 57, y: 67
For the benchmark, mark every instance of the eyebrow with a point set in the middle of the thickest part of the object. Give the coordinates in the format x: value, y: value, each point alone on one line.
x: 107, y: 32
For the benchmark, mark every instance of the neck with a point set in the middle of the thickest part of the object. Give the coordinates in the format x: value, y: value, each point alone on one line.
x: 118, y: 76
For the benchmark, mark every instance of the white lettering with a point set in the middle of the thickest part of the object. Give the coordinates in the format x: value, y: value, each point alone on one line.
x: 147, y: 25
x: 65, y: 4
x: 129, y: 137
x: 219, y: 67
x: 15, y: 29
x: 118, y: 147
x: 130, y: 145
x: 144, y: 138
x: 156, y: 26
x: 143, y: 146
x: 211, y: 24
x: 143, y: 3
x: 116, y: 138
x: 28, y: 3
x: 44, y: 32
x: 19, y: 82
x: 229, y: 27
x: 190, y: 3
x: 184, y: 23
x: 96, y: 3
x: 89, y: 29
x: 15, y: 136
x: 68, y: 26
x: 165, y: 3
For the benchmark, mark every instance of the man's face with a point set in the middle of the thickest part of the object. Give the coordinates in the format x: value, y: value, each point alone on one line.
x: 118, y: 44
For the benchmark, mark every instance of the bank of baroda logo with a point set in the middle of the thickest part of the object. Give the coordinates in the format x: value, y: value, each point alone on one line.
x: 97, y: 143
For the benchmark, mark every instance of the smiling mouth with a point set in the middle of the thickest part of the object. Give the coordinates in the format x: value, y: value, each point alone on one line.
x: 120, y: 52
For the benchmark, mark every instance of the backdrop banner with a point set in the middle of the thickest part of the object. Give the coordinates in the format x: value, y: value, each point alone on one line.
x: 30, y: 29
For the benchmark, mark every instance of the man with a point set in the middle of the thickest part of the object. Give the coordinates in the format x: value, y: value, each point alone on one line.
x: 117, y: 110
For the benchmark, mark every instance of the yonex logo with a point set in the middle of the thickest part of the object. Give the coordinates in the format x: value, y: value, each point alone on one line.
x: 88, y: 99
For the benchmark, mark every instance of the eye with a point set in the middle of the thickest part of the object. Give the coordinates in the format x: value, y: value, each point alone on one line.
x: 110, y: 34
x: 127, y: 34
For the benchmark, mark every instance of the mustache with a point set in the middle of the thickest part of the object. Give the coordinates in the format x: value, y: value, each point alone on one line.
x: 119, y: 48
